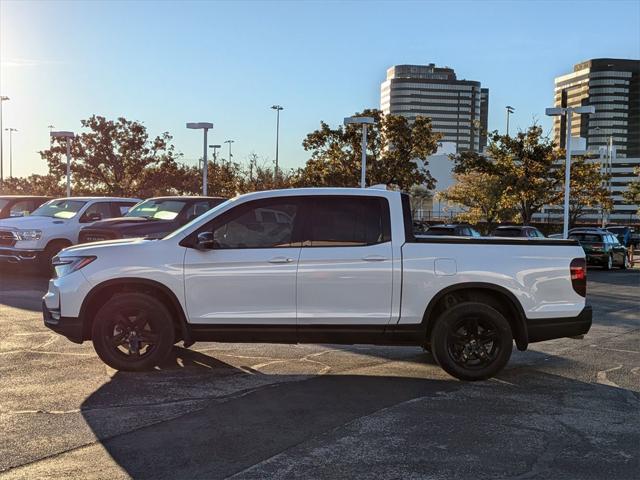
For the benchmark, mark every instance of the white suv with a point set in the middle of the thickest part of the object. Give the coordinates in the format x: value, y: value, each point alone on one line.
x: 37, y: 238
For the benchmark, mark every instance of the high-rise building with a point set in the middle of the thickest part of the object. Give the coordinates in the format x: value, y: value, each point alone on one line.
x: 458, y: 108
x: 612, y: 133
x: 612, y: 86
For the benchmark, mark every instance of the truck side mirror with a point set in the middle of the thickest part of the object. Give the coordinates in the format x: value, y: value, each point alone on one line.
x: 91, y: 217
x: 205, y: 241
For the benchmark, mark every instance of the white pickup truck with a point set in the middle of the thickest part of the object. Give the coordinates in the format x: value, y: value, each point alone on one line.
x: 36, y: 238
x: 319, y: 266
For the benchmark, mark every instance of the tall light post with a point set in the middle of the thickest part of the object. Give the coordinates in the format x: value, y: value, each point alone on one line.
x: 229, y: 142
x: 215, y: 155
x: 69, y: 137
x: 364, y: 121
x: 204, y: 126
x: 509, y: 110
x: 2, y: 99
x: 11, y: 130
x: 277, y: 108
x: 568, y: 112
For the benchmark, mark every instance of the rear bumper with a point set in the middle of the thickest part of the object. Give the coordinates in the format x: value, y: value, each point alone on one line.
x: 550, y: 328
x: 14, y: 255
x: 67, y: 326
x: 597, y: 258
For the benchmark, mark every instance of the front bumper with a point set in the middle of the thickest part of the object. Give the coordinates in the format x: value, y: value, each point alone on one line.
x: 560, y: 327
x: 17, y: 256
x: 68, y: 326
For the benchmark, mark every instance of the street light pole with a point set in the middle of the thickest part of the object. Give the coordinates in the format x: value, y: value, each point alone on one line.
x: 229, y: 142
x: 215, y: 155
x: 277, y: 108
x: 69, y: 137
x: 509, y: 110
x: 364, y: 121
x: 2, y: 99
x: 567, y: 112
x: 205, y: 126
x: 11, y: 130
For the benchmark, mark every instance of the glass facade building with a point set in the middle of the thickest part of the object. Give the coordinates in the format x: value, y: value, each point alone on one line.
x: 458, y: 108
x: 612, y: 86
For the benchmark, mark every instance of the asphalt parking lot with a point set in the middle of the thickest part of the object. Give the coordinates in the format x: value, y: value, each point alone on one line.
x: 564, y: 409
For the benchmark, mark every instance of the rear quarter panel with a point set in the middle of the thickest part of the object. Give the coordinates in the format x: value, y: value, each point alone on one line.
x: 538, y: 276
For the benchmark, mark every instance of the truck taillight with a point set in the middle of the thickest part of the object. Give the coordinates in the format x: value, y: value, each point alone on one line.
x: 578, y: 269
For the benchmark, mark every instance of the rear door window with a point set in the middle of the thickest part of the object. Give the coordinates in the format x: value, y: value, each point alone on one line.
x: 337, y: 221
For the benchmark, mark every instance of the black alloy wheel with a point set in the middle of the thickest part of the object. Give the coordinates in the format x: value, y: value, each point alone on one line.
x: 472, y: 341
x: 133, y: 331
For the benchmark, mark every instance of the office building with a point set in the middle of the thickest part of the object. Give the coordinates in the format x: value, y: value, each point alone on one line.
x: 458, y: 108
x: 612, y: 133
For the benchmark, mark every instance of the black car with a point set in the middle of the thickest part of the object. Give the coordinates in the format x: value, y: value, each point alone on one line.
x: 455, y: 230
x: 601, y: 247
x: 517, y: 231
x: 152, y: 218
x: 20, y: 205
x: 624, y: 234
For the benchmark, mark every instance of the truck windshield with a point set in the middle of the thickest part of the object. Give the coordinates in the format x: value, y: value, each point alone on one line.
x: 3, y: 203
x: 157, y: 209
x: 59, y: 209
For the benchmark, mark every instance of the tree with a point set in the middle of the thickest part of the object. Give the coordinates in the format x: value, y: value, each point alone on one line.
x: 587, y: 188
x: 112, y: 158
x: 481, y: 193
x: 527, y: 165
x: 259, y: 175
x: 35, y: 184
x: 632, y: 195
x: 397, y: 153
x: 419, y: 194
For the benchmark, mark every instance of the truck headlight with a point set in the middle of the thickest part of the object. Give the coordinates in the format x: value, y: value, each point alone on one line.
x: 66, y: 265
x: 28, y: 234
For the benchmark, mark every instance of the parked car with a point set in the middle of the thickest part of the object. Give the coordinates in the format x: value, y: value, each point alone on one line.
x: 319, y: 265
x: 455, y: 230
x: 12, y: 206
x: 624, y: 234
x: 601, y: 247
x: 152, y: 218
x: 517, y: 231
x: 36, y: 239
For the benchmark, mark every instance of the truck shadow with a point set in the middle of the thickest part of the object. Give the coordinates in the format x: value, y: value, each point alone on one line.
x: 196, y: 429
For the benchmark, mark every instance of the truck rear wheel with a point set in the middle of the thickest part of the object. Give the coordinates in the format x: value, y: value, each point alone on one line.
x: 132, y: 332
x: 472, y: 341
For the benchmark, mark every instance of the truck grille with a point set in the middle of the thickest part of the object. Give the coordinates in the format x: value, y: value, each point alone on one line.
x: 96, y: 236
x: 7, y: 239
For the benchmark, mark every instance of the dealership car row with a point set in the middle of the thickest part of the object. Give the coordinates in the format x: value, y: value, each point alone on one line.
x: 33, y: 229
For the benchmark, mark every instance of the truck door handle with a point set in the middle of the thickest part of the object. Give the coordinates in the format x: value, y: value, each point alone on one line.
x: 280, y: 260
x: 374, y: 258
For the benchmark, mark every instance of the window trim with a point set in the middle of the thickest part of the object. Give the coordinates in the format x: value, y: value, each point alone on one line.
x: 312, y: 203
x: 241, y: 209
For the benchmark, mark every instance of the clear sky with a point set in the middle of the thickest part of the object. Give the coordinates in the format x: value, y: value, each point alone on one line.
x: 166, y: 63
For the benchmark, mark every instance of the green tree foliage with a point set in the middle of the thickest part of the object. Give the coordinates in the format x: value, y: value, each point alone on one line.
x: 481, y: 194
x: 632, y: 195
x: 527, y: 164
x: 34, y: 184
x: 115, y: 158
x: 397, y: 153
x: 588, y: 188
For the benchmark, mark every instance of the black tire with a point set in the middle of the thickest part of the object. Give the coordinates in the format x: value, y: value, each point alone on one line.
x: 472, y: 341
x: 133, y: 332
x: 608, y: 264
x: 625, y: 262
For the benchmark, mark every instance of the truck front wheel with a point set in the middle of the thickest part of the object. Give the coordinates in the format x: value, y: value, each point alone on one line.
x: 132, y: 332
x: 472, y: 341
